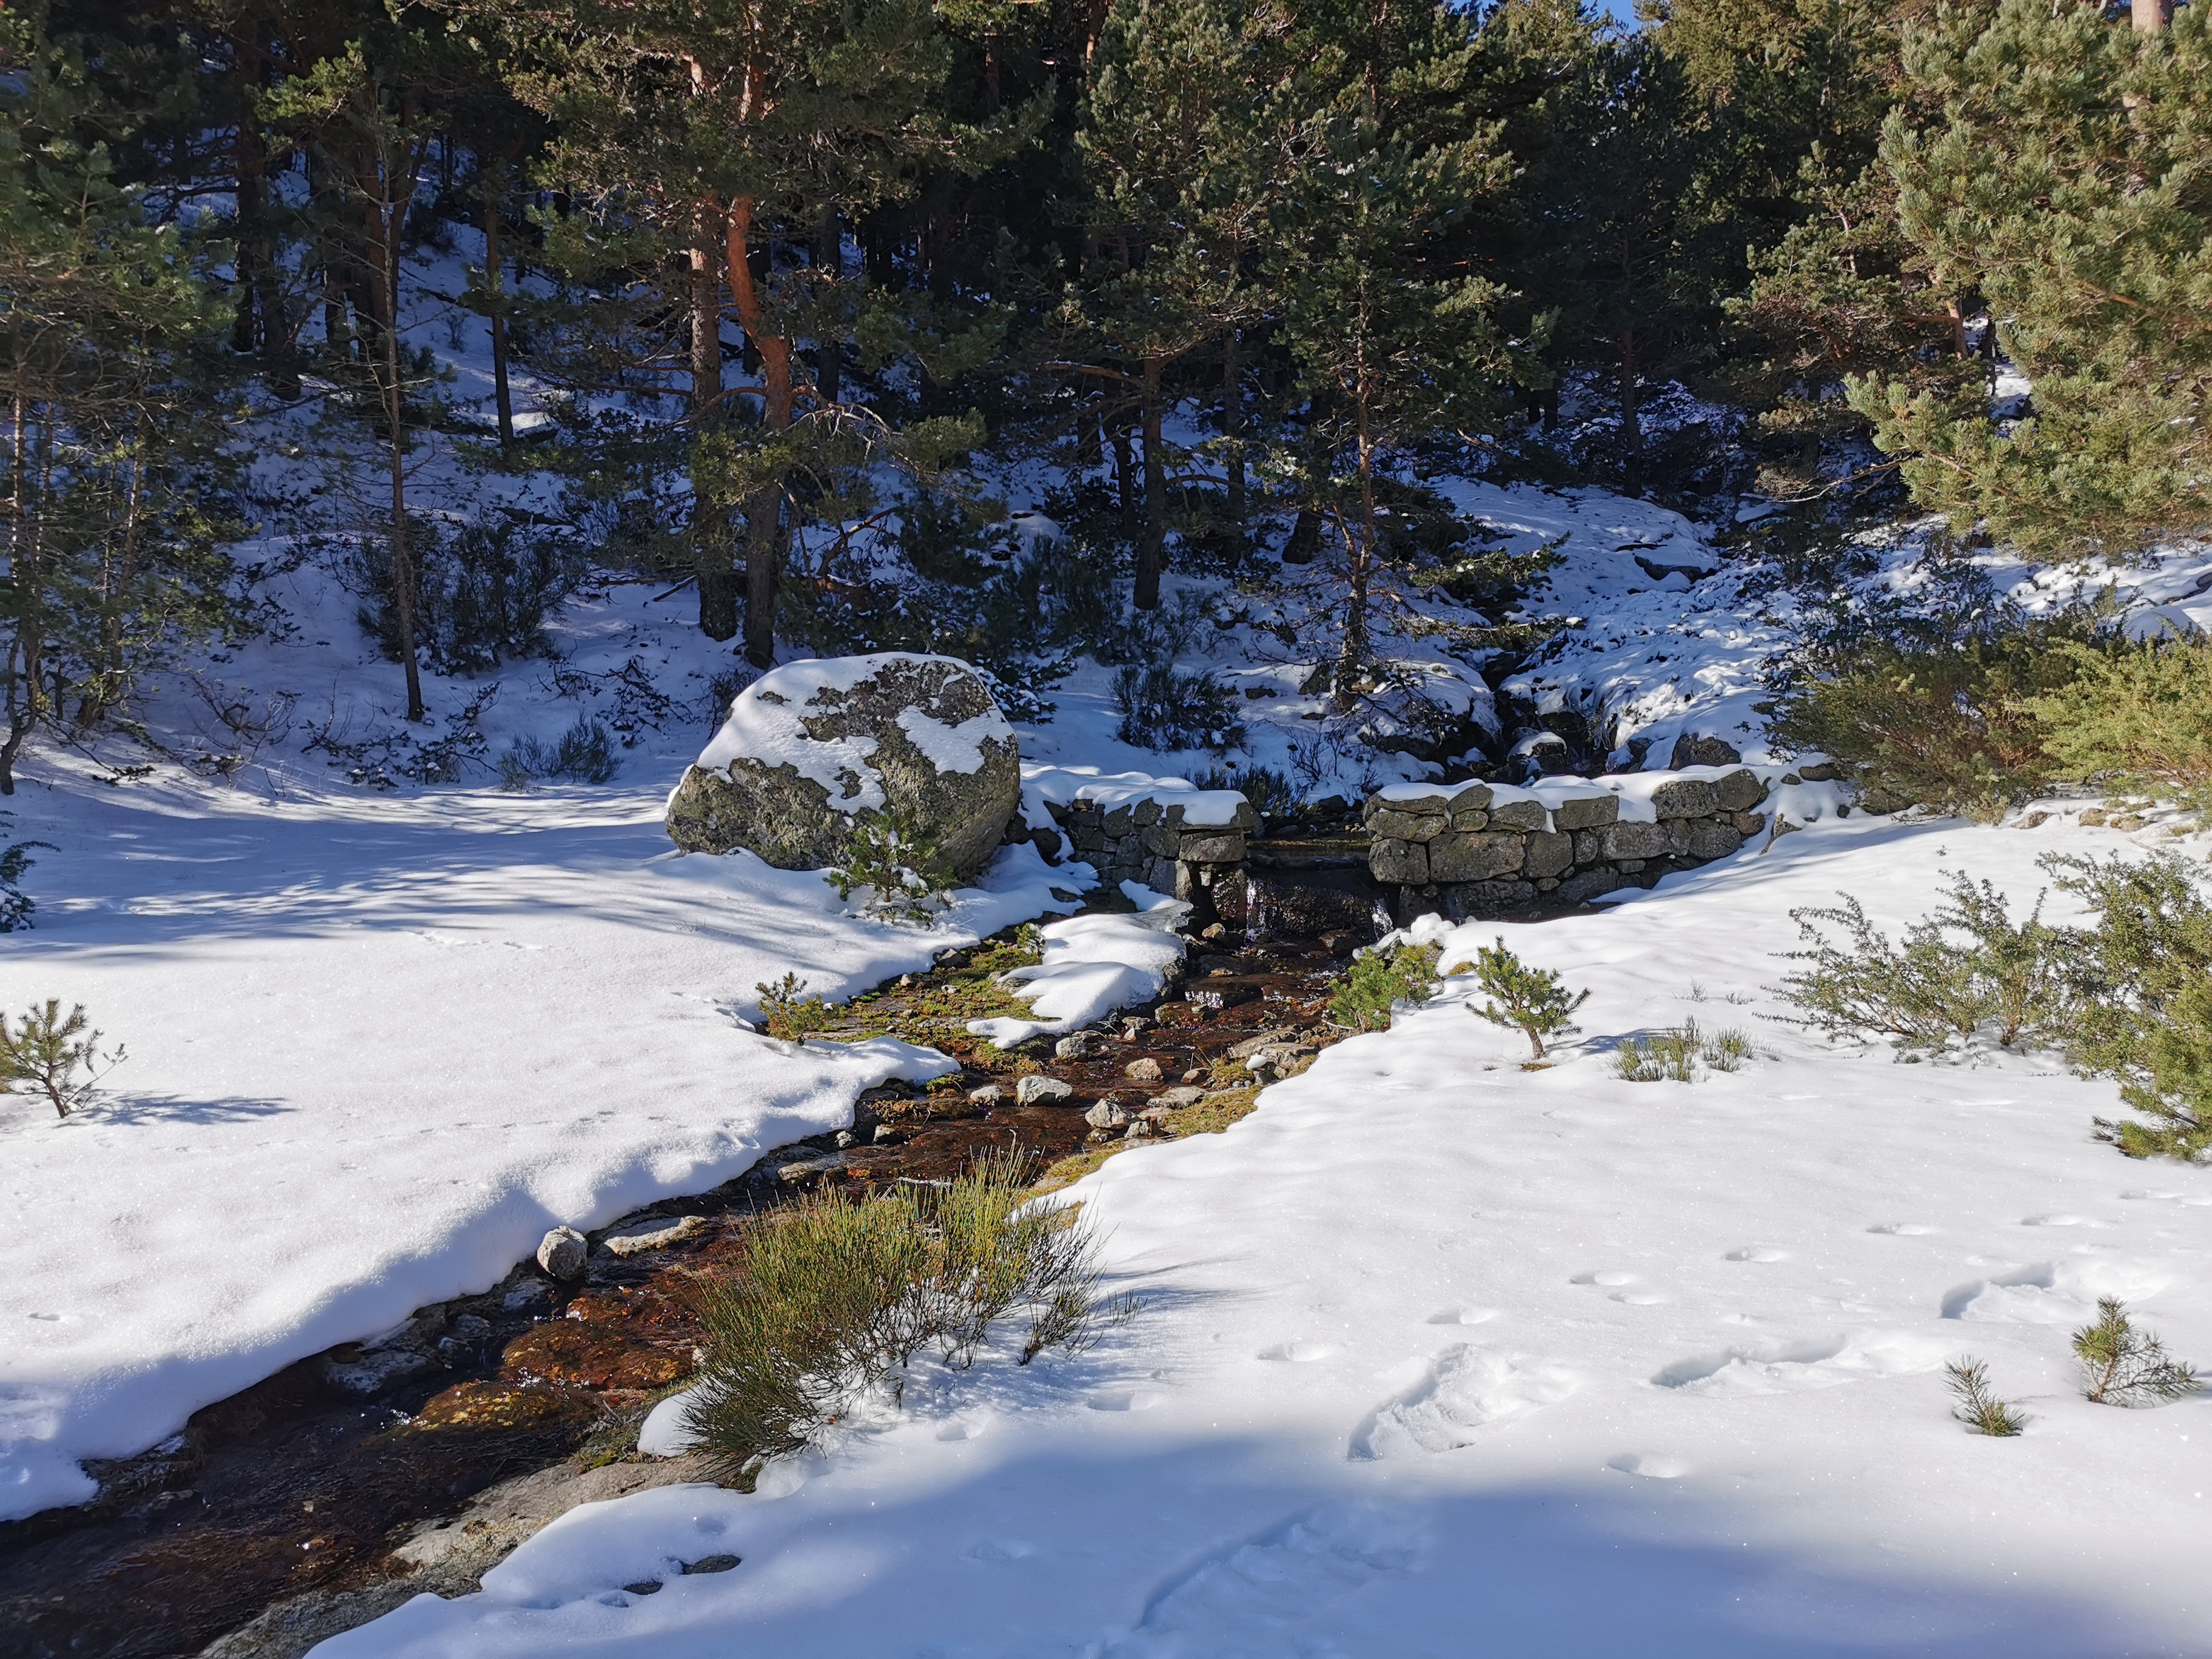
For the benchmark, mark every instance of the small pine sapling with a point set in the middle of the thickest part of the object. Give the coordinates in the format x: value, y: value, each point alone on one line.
x: 57, y: 1055
x: 1378, y: 983
x: 1532, y: 1001
x: 2123, y: 1367
x: 899, y: 863
x: 1979, y: 1409
x: 788, y: 1014
x: 15, y: 904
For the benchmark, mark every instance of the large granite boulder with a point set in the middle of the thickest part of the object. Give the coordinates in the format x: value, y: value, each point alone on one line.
x: 813, y: 750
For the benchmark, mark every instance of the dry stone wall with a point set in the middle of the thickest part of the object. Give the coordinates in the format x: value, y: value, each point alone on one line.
x: 1474, y: 851
x: 1155, y: 842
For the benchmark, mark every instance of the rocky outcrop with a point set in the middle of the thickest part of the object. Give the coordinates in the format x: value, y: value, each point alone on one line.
x: 812, y: 750
x: 1474, y: 851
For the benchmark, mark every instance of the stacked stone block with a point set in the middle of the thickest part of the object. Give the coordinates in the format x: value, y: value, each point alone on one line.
x: 1464, y: 853
x: 1150, y: 842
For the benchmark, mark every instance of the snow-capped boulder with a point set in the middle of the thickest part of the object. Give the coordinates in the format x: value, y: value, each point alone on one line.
x: 813, y: 750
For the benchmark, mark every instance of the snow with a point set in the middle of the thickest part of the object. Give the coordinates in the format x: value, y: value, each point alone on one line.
x: 1436, y: 1352
x: 435, y: 1024
x: 1202, y: 809
x: 767, y: 722
x: 1092, y: 965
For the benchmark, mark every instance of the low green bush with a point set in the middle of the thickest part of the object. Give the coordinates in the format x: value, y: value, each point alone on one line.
x: 1378, y: 983
x: 1163, y: 708
x: 835, y: 1298
x: 1674, y: 1056
x: 2137, y: 718
x: 1966, y: 967
x: 2123, y: 1367
x: 1979, y: 1407
x: 17, y: 906
x: 584, y: 754
x: 2142, y: 998
x: 788, y: 1014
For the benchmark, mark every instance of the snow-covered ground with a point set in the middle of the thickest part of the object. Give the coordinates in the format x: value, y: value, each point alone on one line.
x: 377, y: 1045
x: 1442, y: 1357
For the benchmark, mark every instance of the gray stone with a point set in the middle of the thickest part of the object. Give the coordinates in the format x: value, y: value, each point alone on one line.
x: 1162, y: 842
x: 1173, y: 1099
x: 1821, y: 772
x: 1470, y: 817
x: 1122, y: 821
x: 1739, y: 791
x: 792, y: 822
x: 1404, y: 862
x: 1696, y: 748
x: 800, y: 1165
x: 1519, y: 815
x: 1709, y: 839
x: 1457, y: 857
x: 989, y: 1095
x: 1548, y: 854
x: 1141, y: 1128
x: 1147, y: 813
x: 561, y: 1252
x: 1219, y: 847
x: 1108, y: 1114
x: 1077, y: 1047
x: 1402, y: 825
x: 1636, y: 841
x: 1146, y: 1070
x: 1589, y: 847
x: 1685, y: 797
x: 1036, y: 1089
x: 1478, y: 899
x: 657, y: 1233
x: 1586, y: 884
x: 1586, y: 813
x: 1472, y: 799
x: 1747, y: 824
x: 1161, y: 875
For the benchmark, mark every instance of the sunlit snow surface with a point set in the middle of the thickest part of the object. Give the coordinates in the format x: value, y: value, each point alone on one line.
x: 377, y: 1046
x: 1440, y: 1357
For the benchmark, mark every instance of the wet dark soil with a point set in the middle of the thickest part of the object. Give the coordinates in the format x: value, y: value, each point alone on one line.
x: 310, y: 1478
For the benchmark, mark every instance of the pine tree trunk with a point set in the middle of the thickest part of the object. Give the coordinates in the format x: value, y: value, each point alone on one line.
x: 249, y: 160
x: 716, y: 576
x: 1358, y: 577
x: 829, y: 352
x: 403, y: 568
x: 1124, y: 476
x: 1232, y: 427
x: 1305, y: 539
x: 1632, y: 420
x: 1151, y: 546
x: 764, y: 513
x: 502, y: 396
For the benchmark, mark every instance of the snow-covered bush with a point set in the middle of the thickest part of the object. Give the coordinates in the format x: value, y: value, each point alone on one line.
x: 1533, y: 1001
x: 835, y: 1296
x: 2123, y: 1367
x: 1966, y: 967
x: 1271, y: 793
x: 55, y: 1054
x: 1163, y: 708
x: 1379, y: 981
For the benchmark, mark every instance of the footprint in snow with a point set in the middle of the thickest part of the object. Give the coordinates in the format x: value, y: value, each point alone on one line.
x: 1227, y: 1605
x: 1298, y: 1352
x: 1649, y: 1465
x: 1756, y: 1253
x: 1903, y: 1230
x: 1608, y: 1278
x: 1809, y: 1362
x: 1468, y: 1315
x: 1461, y: 1392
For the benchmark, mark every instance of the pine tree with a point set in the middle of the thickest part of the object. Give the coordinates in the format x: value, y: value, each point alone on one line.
x: 119, y: 490
x: 2066, y: 182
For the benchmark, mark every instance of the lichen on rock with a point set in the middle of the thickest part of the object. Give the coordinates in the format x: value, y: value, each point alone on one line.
x: 813, y: 750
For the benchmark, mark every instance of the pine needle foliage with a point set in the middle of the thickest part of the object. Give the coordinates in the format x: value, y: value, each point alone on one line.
x: 55, y: 1054
x: 1966, y: 967
x: 17, y: 906
x: 2123, y: 1367
x: 2137, y: 718
x: 1378, y: 983
x: 835, y: 1298
x: 788, y: 1014
x: 2142, y: 1003
x: 1979, y: 1408
x: 899, y: 861
x: 1533, y: 1001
